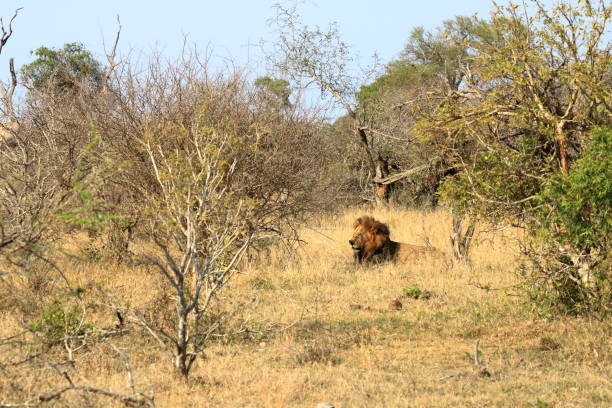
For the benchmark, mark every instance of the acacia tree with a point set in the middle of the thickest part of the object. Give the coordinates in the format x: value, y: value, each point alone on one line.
x: 63, y: 69
x: 536, y: 82
x: 533, y: 84
x: 201, y: 229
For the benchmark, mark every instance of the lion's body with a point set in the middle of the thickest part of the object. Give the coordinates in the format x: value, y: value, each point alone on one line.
x: 402, y: 252
x: 371, y: 243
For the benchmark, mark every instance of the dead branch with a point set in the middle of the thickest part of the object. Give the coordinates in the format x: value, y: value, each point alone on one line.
x: 7, y: 94
x: 135, y: 399
x: 448, y: 377
x: 112, y: 64
x: 7, y: 34
x: 400, y: 176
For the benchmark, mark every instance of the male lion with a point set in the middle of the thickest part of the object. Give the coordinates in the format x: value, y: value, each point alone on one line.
x: 371, y: 243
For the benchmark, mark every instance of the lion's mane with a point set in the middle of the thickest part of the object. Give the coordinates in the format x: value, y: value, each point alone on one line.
x: 376, y: 236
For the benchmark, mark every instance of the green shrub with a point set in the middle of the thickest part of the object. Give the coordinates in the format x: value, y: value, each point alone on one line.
x: 577, y: 209
x: 415, y: 293
x: 573, y: 225
x: 63, y: 316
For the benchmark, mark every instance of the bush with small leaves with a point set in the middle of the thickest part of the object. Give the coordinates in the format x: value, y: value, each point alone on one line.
x: 415, y: 293
x: 63, y: 316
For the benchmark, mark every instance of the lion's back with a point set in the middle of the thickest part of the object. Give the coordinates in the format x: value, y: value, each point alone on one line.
x: 410, y: 252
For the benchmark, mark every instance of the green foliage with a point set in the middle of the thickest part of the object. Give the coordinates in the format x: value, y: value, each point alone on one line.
x: 506, y: 139
x: 415, y: 293
x: 572, y: 227
x: 426, y: 59
x: 91, y: 214
x: 398, y: 75
x: 558, y: 296
x: 277, y: 87
x: 494, y: 186
x: 577, y: 209
x: 63, y: 316
x: 64, y: 68
x: 519, y: 134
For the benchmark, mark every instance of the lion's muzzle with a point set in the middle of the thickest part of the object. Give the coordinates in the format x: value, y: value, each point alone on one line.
x: 354, y: 246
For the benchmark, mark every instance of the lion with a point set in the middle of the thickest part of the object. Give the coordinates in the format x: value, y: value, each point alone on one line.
x: 371, y: 243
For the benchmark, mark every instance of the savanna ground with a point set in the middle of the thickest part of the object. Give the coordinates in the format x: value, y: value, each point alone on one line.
x: 317, y: 328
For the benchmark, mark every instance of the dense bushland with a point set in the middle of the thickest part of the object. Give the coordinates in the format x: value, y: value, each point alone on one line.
x: 133, y: 195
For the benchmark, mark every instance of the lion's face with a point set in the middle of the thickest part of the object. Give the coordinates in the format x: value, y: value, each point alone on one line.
x: 359, y: 238
x: 369, y: 236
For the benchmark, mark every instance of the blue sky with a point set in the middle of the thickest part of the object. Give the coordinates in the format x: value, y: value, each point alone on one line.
x: 231, y: 28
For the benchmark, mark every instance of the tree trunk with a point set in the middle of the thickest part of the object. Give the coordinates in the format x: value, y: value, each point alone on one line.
x: 363, y: 139
x: 461, y: 240
x: 562, y: 147
x: 377, y: 170
x: 180, y: 358
x: 383, y: 191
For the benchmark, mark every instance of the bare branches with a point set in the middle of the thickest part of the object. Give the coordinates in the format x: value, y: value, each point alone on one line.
x: 192, y: 188
x: 135, y: 399
x: 213, y: 166
x: 314, y: 55
x: 402, y: 175
x: 320, y: 57
x: 6, y: 35
x: 110, y: 57
x: 7, y: 94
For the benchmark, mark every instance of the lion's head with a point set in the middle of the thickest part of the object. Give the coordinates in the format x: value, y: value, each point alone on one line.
x: 369, y: 237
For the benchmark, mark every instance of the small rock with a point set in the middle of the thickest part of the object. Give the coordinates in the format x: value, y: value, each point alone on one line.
x: 355, y: 306
x: 324, y: 405
x: 483, y: 372
x: 395, y: 305
x: 549, y: 344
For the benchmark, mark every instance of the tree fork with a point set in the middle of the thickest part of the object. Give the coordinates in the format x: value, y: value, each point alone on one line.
x: 364, y: 145
x: 381, y: 191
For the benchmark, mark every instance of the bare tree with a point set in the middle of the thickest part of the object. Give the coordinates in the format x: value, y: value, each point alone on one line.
x: 7, y: 93
x: 314, y: 56
x: 201, y: 232
x: 132, y: 399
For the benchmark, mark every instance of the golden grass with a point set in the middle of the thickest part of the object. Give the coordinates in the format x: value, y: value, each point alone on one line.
x: 325, y: 332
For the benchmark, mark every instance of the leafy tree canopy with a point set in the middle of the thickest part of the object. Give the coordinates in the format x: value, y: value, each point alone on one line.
x: 277, y: 87
x: 64, y: 68
x: 429, y: 56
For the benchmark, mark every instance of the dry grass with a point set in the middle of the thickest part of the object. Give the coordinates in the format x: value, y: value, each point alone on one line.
x: 322, y: 330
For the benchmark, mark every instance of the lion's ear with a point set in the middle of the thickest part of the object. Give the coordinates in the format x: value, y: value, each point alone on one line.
x: 379, y: 228
x: 360, y: 221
